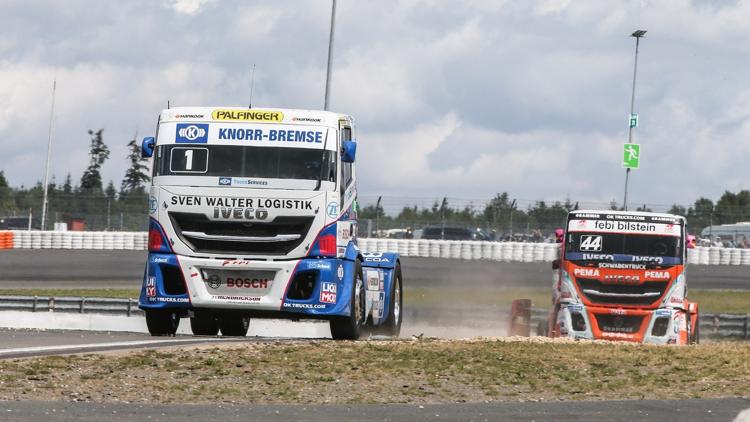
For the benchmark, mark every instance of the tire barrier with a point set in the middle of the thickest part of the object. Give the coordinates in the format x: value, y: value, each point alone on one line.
x: 466, y: 250
x: 524, y: 251
x: 6, y: 240
x: 453, y: 249
x: 35, y: 239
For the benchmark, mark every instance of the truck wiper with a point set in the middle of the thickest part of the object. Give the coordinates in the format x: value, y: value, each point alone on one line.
x: 322, y: 161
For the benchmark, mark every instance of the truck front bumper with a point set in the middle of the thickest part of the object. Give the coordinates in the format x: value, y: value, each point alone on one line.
x: 655, y: 326
x: 310, y: 286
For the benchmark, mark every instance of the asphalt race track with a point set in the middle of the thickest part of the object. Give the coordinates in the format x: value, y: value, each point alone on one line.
x: 124, y: 269
x: 642, y: 410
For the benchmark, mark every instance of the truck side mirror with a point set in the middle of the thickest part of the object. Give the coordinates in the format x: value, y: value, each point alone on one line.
x: 348, y: 151
x: 556, y: 264
x: 559, y: 233
x: 147, y: 147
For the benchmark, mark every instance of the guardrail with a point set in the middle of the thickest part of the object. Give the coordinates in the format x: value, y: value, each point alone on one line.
x: 725, y: 325
x: 711, y: 325
x: 468, y: 250
x: 128, y: 307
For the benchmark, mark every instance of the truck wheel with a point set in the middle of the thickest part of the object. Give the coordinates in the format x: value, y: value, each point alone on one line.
x: 234, y: 325
x: 161, y: 322
x: 392, y: 325
x: 350, y: 328
x: 204, y: 323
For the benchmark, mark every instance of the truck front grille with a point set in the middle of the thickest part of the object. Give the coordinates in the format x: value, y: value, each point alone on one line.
x: 645, y: 293
x: 619, y: 323
x: 242, y: 230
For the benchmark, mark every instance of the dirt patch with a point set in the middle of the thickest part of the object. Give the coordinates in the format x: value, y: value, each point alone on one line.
x: 417, y: 371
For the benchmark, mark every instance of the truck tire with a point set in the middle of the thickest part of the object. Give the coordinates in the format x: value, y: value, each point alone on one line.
x: 204, y: 323
x: 234, y: 325
x: 161, y: 322
x: 350, y: 328
x: 392, y: 324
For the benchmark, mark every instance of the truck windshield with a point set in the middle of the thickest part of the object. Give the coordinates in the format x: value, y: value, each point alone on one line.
x: 623, y: 248
x: 245, y: 161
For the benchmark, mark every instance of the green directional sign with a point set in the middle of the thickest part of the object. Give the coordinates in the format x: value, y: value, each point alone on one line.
x: 633, y: 120
x: 631, y: 156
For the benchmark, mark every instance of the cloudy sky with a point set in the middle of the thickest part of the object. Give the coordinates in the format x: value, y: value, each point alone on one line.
x: 453, y: 98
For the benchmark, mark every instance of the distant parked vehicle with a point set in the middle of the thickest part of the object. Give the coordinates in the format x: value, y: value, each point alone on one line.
x: 453, y: 233
x: 18, y: 223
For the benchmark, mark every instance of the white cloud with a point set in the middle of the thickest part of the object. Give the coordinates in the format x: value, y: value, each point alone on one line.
x: 526, y: 97
x: 188, y: 7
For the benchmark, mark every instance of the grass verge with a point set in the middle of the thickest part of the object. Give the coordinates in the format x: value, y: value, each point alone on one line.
x: 710, y: 301
x: 431, y: 371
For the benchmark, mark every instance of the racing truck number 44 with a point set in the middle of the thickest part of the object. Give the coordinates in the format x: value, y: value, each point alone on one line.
x: 622, y: 276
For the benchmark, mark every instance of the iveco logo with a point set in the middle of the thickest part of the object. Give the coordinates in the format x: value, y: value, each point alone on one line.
x: 622, y: 279
x: 192, y: 132
x: 214, y: 281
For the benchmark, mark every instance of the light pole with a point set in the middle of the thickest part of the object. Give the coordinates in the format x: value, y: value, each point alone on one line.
x: 330, y: 56
x: 49, y: 152
x: 637, y: 35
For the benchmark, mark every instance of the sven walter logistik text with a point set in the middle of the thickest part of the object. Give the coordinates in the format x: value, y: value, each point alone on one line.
x: 295, y: 204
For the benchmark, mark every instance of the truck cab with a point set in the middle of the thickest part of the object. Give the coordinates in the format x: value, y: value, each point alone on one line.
x: 622, y: 276
x: 253, y: 214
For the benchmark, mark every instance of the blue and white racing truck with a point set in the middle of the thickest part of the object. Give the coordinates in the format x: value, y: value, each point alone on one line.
x: 253, y: 214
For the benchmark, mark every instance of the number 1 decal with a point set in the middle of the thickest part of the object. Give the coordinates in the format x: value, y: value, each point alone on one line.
x: 188, y: 159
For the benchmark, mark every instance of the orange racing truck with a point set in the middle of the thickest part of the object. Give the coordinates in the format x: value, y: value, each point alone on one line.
x: 622, y: 276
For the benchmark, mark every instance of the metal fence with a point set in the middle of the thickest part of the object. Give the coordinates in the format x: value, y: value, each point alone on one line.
x: 718, y: 326
x: 128, y: 307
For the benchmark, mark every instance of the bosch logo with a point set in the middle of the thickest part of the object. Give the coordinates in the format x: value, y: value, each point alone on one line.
x: 192, y: 133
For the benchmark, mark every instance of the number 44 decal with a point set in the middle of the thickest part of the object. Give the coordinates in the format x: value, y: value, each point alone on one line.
x: 591, y: 243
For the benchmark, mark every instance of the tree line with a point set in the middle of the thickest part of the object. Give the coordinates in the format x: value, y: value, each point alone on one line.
x: 88, y: 201
x: 501, y: 216
x: 110, y: 208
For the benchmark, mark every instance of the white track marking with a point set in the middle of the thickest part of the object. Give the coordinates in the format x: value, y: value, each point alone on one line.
x: 117, y: 344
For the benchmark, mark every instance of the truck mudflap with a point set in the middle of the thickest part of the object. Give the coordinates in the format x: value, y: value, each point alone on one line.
x: 655, y: 326
x: 378, y: 270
